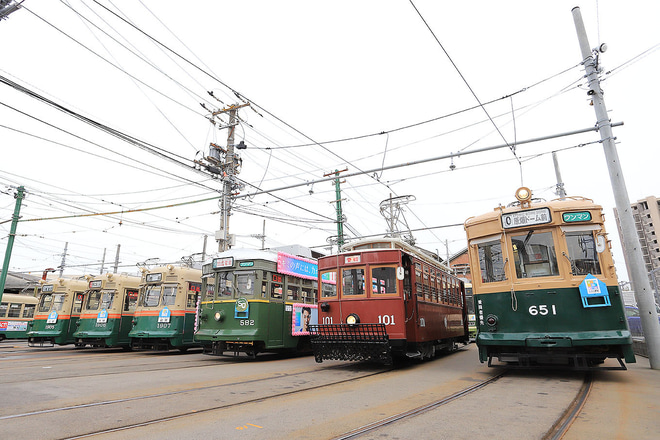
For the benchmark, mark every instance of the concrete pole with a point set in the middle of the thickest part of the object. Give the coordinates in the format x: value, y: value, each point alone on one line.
x: 560, y: 183
x: 117, y: 259
x: 632, y: 248
x: 63, y: 262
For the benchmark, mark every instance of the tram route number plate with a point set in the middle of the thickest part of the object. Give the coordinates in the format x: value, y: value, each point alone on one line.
x: 526, y: 218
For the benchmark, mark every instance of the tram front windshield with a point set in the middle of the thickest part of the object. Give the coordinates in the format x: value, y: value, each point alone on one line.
x: 99, y: 299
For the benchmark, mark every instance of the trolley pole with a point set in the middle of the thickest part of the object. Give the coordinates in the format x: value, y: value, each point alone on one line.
x: 632, y: 248
x: 20, y: 193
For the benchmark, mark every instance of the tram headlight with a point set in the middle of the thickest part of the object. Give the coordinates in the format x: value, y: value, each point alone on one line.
x: 353, y: 319
x: 325, y: 306
x: 491, y: 320
x: 219, y: 316
x: 524, y: 196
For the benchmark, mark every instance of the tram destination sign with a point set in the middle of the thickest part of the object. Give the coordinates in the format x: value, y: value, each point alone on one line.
x: 529, y: 217
x: 581, y: 216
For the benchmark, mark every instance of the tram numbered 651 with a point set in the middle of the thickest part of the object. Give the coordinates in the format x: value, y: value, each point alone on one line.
x: 545, y: 287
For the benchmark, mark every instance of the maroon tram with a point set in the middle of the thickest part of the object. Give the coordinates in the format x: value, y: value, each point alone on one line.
x: 384, y: 298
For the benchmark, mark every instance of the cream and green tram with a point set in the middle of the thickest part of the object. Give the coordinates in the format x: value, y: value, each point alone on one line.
x: 58, y: 311
x: 165, y: 315
x: 544, y: 284
x: 107, y: 312
x: 16, y: 314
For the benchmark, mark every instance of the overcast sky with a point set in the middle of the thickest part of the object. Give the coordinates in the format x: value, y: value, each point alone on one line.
x: 355, y: 85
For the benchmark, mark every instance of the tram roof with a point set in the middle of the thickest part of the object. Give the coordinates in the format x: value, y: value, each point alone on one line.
x: 245, y: 254
x: 566, y: 204
x: 391, y: 243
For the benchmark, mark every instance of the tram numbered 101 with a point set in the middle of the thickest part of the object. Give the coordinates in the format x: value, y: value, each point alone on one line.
x: 545, y: 288
x: 383, y: 298
x: 257, y: 301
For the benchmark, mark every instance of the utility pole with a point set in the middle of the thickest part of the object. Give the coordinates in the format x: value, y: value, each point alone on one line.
x: 643, y: 295
x: 102, y: 262
x: 63, y: 263
x: 560, y: 183
x: 20, y: 193
x: 227, y: 167
x: 117, y: 259
x: 338, y: 209
x: 261, y: 236
x: 204, y: 248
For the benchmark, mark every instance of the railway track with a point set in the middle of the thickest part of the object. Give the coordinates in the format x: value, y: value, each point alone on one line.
x: 392, y: 426
x: 331, y: 401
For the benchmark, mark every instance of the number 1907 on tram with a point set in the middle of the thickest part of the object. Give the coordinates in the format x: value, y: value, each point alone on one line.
x: 545, y: 288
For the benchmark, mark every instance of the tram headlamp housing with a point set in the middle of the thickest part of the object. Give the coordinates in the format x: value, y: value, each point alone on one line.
x: 524, y: 196
x: 491, y: 320
x: 219, y: 316
x: 325, y: 306
x: 353, y: 319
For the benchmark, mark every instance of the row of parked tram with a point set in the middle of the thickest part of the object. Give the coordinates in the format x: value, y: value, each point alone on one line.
x: 154, y: 311
x: 543, y: 285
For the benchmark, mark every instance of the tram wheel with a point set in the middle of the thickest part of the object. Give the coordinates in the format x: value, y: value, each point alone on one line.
x: 252, y: 354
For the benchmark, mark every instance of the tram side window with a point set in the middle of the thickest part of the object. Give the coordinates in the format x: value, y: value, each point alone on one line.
x: 208, y: 288
x: 151, y: 296
x: 383, y: 280
x: 534, y: 254
x: 93, y: 300
x: 353, y: 281
x: 3, y: 309
x: 292, y: 288
x: 276, y: 290
x: 14, y: 311
x: 77, y: 302
x: 130, y: 301
x: 491, y: 262
x: 28, y: 310
x: 169, y: 295
x: 582, y: 253
x: 46, y: 302
x: 329, y: 284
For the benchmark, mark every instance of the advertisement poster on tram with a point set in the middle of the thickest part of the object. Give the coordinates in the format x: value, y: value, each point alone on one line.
x: 303, y: 316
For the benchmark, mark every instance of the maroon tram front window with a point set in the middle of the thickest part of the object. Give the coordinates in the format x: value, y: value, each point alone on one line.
x: 352, y: 281
x: 383, y: 280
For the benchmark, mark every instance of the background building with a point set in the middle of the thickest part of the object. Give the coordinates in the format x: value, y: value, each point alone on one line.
x: 646, y: 213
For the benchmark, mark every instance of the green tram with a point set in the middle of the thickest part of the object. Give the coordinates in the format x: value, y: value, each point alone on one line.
x: 257, y: 301
x: 58, y: 311
x: 545, y: 287
x: 16, y: 314
x: 165, y: 315
x: 107, y: 313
